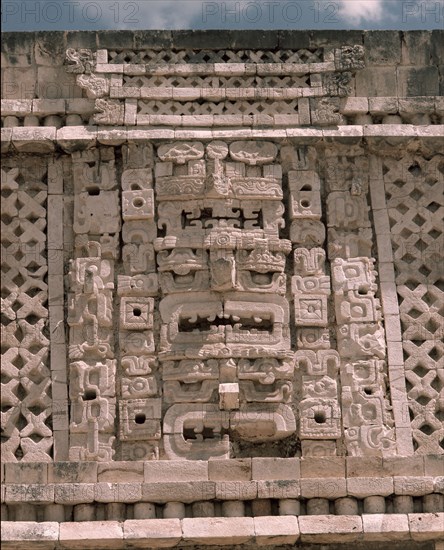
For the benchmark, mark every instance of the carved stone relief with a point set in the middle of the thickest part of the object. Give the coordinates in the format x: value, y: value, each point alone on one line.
x: 26, y: 417
x: 414, y: 187
x: 212, y: 332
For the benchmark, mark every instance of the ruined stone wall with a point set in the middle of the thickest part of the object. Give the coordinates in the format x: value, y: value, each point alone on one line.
x: 222, y: 300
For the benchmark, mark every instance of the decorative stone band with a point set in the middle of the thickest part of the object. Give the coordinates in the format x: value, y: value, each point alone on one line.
x: 330, y: 478
x: 258, y: 109
x: 261, y: 531
x: 69, y: 139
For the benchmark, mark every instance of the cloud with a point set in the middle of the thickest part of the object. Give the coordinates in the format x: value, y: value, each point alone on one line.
x: 153, y: 14
x: 358, y: 12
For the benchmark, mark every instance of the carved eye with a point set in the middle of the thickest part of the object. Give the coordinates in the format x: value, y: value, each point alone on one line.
x: 140, y: 418
x: 138, y: 202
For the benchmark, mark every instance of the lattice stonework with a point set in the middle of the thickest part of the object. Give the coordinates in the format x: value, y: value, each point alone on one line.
x: 414, y: 192
x: 26, y: 416
x: 314, y: 55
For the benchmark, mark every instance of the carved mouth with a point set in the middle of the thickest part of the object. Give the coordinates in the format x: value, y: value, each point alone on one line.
x: 204, y: 433
x: 221, y: 324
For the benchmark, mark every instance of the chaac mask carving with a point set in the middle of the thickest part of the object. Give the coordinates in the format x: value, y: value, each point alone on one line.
x: 196, y: 343
x: 225, y: 341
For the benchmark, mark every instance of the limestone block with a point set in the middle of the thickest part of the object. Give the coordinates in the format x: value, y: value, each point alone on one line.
x: 233, y: 508
x: 117, y: 492
x: 30, y: 473
x: 346, y: 506
x: 13, y: 122
x: 76, y: 138
x: 317, y: 507
x: 144, y: 510
x: 382, y: 48
x: 44, y: 107
x: 177, y: 470
x: 140, y: 419
x: 319, y: 467
x: 413, y: 486
x: 173, y: 510
x: 203, y: 509
x: 330, y: 529
x: 383, y: 105
x: 376, y: 81
x: 412, y: 106
x: 73, y: 493
x: 289, y: 507
x: 230, y: 470
x: 34, y: 140
x: 434, y: 502
x: 236, y: 490
x: 138, y: 205
x: 326, y: 487
x: 275, y: 468
x: 229, y: 396
x: 19, y: 83
x: 111, y: 136
x: 385, y: 527
x: 20, y: 534
x: 274, y: 530
x: 157, y: 533
x: 360, y: 466
x: 218, y: 531
x: 72, y: 472
x: 54, y: 512
x: 24, y: 512
x: 318, y: 447
x: 361, y: 487
x: 417, y: 81
x: 426, y: 526
x: 178, y: 491
x: 55, y: 83
x: 279, y: 489
x: 16, y: 107
x: 93, y: 535
x: 354, y: 105
x: 120, y: 472
x: 433, y: 465
x: 37, y: 494
x: 6, y: 139
x: 417, y: 48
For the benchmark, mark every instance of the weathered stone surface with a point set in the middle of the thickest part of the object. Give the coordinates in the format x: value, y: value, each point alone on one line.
x: 16, y: 534
x: 426, y: 526
x: 96, y: 534
x: 218, y: 531
x: 276, y: 530
x: 385, y: 527
x: 329, y: 529
x: 252, y: 235
x: 158, y: 533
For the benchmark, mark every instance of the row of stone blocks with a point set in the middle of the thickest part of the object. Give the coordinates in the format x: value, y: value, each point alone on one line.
x: 244, y: 469
x: 38, y: 112
x: 270, y: 121
x: 262, y: 531
x: 118, y: 511
x: 192, y: 491
x: 73, y: 138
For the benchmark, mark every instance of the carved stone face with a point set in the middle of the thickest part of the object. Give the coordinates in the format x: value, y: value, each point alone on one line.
x: 225, y: 343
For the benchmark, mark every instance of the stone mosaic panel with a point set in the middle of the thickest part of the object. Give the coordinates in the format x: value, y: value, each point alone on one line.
x: 224, y: 325
x: 414, y: 191
x: 26, y: 415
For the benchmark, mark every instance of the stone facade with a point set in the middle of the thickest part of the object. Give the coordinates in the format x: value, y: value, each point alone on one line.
x: 222, y: 300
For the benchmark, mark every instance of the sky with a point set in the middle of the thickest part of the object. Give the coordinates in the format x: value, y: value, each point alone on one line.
x: 31, y: 15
